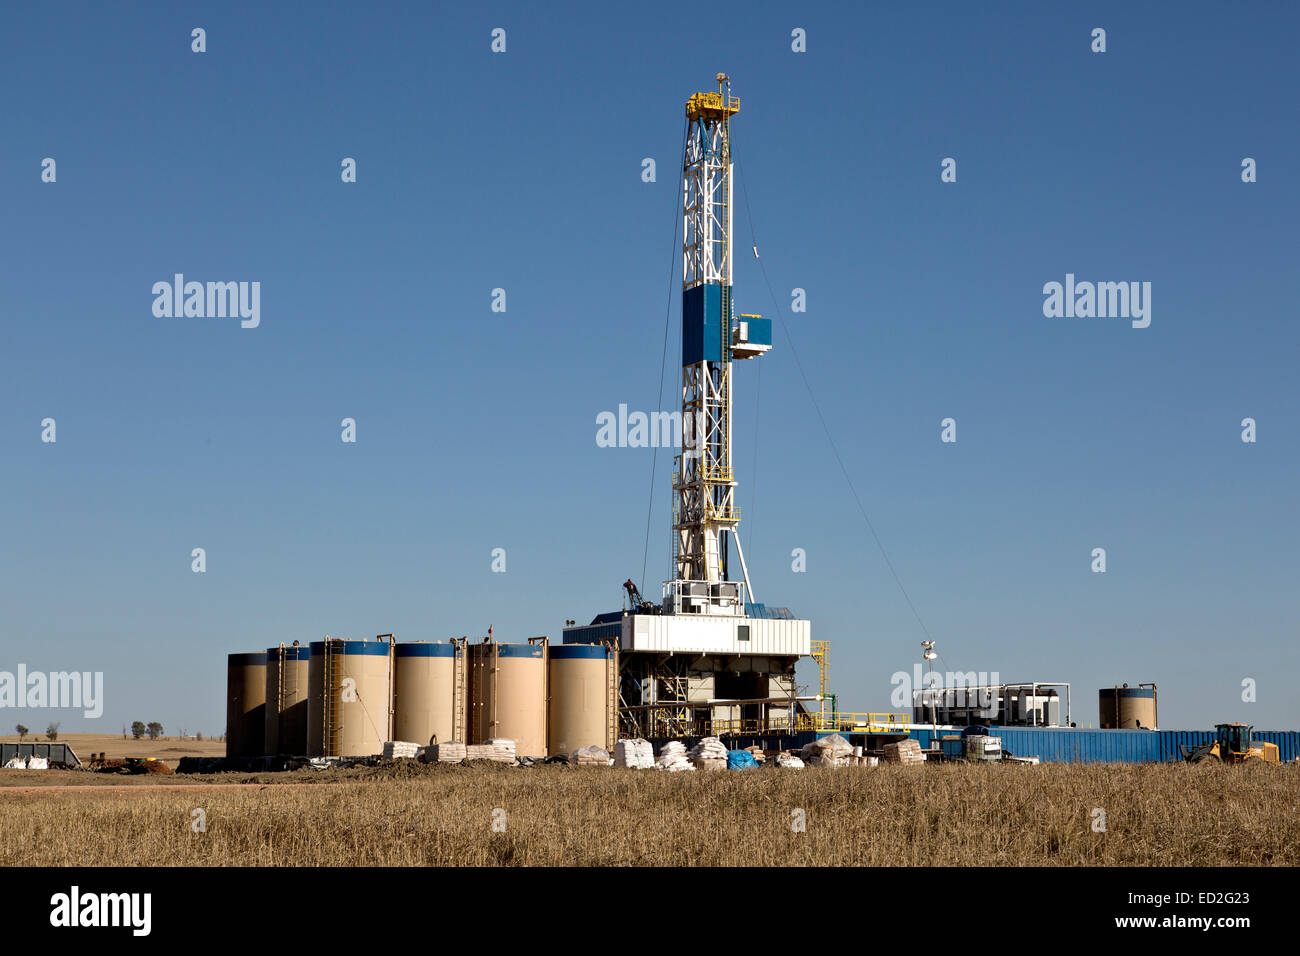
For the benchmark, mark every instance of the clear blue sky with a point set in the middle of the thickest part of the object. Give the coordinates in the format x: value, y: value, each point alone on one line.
x: 476, y: 430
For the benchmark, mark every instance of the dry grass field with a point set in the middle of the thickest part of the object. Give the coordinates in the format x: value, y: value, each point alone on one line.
x: 411, y: 814
x: 169, y: 749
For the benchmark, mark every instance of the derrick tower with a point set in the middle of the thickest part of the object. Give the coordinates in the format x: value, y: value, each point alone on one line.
x: 705, y: 514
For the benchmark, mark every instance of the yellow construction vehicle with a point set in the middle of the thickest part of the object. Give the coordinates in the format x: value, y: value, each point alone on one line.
x: 1233, y: 744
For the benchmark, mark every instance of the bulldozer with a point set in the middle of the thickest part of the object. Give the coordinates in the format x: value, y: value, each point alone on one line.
x: 1233, y: 744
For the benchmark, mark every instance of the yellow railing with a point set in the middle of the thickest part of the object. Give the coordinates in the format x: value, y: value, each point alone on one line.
x: 717, y: 728
x: 882, y: 723
x: 716, y: 513
x: 701, y: 103
x: 670, y: 720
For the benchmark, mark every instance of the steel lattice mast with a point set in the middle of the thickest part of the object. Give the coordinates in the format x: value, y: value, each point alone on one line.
x: 704, y: 484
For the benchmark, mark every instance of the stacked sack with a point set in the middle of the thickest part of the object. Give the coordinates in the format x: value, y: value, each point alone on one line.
x: 500, y: 749
x: 394, y: 749
x: 672, y: 756
x: 709, y: 754
x: 453, y: 751
x: 784, y: 759
x: 832, y: 751
x: 904, y: 752
x: 636, y: 753
x: 590, y: 756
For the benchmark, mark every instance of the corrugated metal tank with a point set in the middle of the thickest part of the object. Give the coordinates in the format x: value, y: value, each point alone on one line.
x: 1127, y: 708
x: 245, y: 704
x: 1079, y: 745
x: 350, y: 693
x: 427, y: 704
x: 583, y: 677
x: 1073, y: 745
x: 508, y: 695
x: 286, y: 700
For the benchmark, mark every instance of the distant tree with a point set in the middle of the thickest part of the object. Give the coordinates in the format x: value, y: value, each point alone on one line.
x: 22, y: 731
x: 154, y: 729
x: 52, y: 732
x: 198, y: 735
x: 137, y: 729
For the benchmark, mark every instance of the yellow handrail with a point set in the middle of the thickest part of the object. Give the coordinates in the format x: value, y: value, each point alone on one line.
x: 872, y: 723
x: 670, y: 720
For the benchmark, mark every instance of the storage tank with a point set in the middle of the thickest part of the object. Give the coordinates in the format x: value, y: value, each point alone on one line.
x: 508, y: 695
x: 429, y: 693
x: 349, y: 698
x: 286, y: 700
x: 245, y: 704
x: 583, y: 682
x: 1127, y: 708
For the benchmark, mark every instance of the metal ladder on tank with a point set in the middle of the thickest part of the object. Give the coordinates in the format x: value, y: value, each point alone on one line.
x: 330, y: 698
x: 459, y: 702
x: 611, y: 699
x: 274, y: 715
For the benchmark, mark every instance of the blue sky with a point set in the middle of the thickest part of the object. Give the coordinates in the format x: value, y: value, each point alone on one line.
x: 476, y: 430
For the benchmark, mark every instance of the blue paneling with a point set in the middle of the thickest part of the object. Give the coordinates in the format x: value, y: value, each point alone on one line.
x: 702, y: 324
x: 593, y: 633
x: 1141, y: 693
x: 760, y: 330
x: 415, y: 649
x: 1172, y: 742
x: 351, y: 648
x: 517, y: 650
x: 1075, y: 745
x: 564, y: 652
x: 768, y: 613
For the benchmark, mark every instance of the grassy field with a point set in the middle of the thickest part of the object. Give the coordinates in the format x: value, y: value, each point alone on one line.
x: 169, y: 749
x: 410, y: 814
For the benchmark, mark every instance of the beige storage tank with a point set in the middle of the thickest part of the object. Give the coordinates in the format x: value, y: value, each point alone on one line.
x: 349, y: 698
x: 583, y: 703
x: 245, y: 704
x: 508, y: 695
x: 429, y: 691
x: 1128, y: 708
x: 286, y: 700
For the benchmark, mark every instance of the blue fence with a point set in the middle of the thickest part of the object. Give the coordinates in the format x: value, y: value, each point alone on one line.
x: 1075, y: 745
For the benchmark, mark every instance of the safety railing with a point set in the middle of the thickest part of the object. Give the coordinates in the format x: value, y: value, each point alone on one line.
x: 671, y: 720
x: 879, y: 723
x: 723, y: 512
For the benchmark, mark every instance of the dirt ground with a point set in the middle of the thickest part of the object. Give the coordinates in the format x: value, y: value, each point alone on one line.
x: 168, y: 749
x: 116, y: 785
x: 52, y: 781
x: 14, y: 782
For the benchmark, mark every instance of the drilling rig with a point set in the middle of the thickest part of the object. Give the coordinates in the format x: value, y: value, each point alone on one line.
x: 708, y: 659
